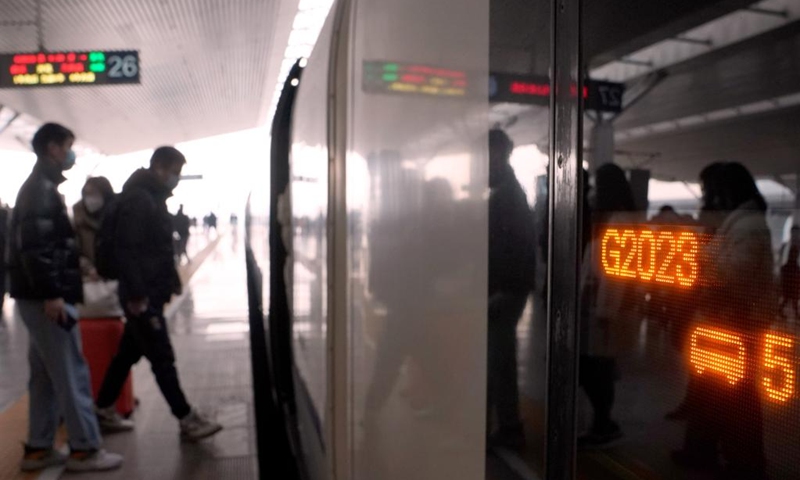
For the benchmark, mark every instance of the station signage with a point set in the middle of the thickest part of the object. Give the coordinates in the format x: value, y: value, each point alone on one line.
x: 427, y: 80
x: 535, y: 90
x: 671, y: 256
x: 54, y: 69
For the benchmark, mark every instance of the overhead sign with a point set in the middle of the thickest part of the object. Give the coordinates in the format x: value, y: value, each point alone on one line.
x: 396, y: 77
x: 25, y: 70
x: 604, y: 96
x: 418, y: 79
x: 535, y: 90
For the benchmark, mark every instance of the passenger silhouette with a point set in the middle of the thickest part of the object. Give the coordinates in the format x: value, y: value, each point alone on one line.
x: 512, y: 269
x: 708, y: 219
x: 46, y: 282
x: 403, y: 236
x: 148, y: 279
x: 182, y: 228
x: 607, y: 308
x: 740, y: 299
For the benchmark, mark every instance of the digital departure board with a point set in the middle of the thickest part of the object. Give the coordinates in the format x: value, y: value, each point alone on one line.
x: 52, y: 69
x: 647, y: 255
x: 535, y: 89
x: 654, y: 256
x: 411, y: 78
x: 395, y: 77
x: 718, y: 351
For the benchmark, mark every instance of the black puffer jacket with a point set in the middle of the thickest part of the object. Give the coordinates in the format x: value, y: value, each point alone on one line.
x: 144, y: 247
x: 512, y: 240
x: 43, y: 255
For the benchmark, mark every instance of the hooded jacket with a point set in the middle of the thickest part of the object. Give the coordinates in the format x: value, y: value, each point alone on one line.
x: 144, y: 245
x: 43, y: 255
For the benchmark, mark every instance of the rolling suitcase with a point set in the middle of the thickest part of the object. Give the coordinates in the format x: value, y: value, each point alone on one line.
x: 101, y: 338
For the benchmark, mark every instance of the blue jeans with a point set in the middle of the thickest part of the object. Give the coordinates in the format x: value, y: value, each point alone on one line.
x: 59, y: 383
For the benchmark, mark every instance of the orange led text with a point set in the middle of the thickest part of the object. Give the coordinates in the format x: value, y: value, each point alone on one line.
x: 720, y: 352
x: 652, y: 256
x: 779, y: 376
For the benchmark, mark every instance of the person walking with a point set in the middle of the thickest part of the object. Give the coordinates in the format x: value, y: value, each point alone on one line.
x: 144, y: 256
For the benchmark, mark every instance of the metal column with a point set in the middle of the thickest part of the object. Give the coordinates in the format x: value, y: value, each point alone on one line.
x: 565, y: 214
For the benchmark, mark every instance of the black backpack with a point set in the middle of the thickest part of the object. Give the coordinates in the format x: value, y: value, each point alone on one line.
x: 105, y: 244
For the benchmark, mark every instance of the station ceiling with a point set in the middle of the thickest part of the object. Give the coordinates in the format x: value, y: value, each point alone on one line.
x: 207, y: 66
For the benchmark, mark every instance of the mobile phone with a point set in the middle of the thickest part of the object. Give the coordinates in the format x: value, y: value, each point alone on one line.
x: 71, y: 317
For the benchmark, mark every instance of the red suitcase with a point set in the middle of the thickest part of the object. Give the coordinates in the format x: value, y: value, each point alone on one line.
x: 101, y: 338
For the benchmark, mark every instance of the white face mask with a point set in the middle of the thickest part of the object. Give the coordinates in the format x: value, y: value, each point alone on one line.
x: 93, y: 203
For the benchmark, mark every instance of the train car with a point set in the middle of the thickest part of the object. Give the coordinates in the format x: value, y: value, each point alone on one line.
x: 466, y: 275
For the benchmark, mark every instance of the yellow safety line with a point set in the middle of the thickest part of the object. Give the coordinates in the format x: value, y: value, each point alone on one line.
x: 13, y: 433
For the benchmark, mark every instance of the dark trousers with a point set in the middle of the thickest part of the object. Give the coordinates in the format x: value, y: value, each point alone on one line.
x: 597, y: 376
x: 145, y: 335
x: 505, y: 311
x: 729, y: 419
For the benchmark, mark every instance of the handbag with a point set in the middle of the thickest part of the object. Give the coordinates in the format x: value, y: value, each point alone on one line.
x: 100, y: 300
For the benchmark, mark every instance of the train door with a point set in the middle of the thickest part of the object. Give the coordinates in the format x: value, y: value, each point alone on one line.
x: 688, y: 352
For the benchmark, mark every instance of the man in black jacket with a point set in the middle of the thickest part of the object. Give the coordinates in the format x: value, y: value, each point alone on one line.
x: 46, y: 282
x: 512, y: 269
x: 148, y: 278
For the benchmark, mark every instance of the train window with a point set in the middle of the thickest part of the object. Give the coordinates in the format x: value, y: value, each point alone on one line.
x: 519, y: 151
x: 447, y: 162
x: 690, y: 278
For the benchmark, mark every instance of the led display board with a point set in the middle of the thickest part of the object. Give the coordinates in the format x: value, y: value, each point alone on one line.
x: 648, y: 255
x: 411, y: 78
x: 655, y: 256
x: 53, y: 69
x: 719, y: 351
x: 396, y: 77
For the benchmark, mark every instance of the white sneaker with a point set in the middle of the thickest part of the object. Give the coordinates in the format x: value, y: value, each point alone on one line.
x: 41, y: 459
x: 111, y: 421
x: 95, y: 461
x: 194, y: 427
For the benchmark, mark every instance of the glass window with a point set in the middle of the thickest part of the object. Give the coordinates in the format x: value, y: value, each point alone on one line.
x: 690, y: 277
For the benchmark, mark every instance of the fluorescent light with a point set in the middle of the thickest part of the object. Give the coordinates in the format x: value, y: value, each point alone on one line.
x: 308, y: 22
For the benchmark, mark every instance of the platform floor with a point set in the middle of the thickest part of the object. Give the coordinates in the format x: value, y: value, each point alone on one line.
x: 210, y: 335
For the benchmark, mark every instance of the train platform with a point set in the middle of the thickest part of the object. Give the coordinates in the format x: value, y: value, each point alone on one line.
x: 209, y: 330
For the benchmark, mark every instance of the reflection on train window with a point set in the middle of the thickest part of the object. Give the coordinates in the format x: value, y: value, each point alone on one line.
x: 688, y: 288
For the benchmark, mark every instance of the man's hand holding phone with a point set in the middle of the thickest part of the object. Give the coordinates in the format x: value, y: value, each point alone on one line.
x: 54, y: 310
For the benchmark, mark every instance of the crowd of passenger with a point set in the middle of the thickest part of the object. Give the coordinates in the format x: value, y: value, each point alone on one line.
x: 753, y: 289
x: 118, y: 257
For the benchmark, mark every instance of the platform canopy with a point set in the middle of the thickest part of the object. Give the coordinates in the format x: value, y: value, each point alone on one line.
x: 208, y: 67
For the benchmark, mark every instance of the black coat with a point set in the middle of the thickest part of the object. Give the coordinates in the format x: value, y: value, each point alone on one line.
x: 512, y: 240
x: 144, y: 246
x: 43, y: 254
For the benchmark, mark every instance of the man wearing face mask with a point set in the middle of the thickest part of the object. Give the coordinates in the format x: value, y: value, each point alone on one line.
x: 147, y: 280
x: 46, y: 282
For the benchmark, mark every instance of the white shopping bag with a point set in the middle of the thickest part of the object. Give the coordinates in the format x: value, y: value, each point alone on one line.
x: 100, y: 300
